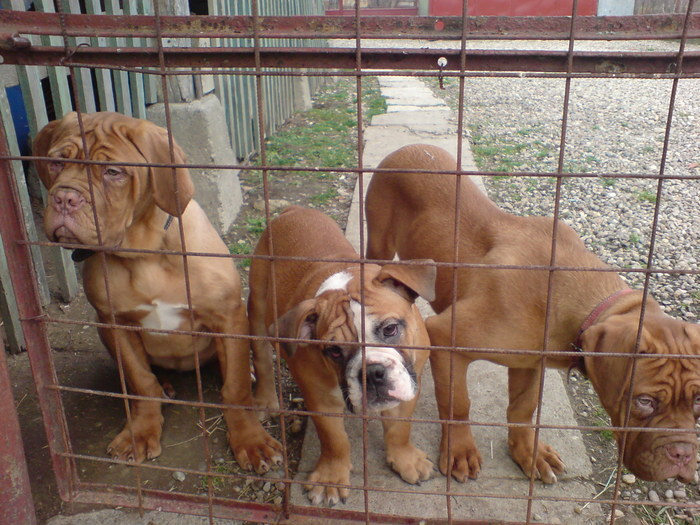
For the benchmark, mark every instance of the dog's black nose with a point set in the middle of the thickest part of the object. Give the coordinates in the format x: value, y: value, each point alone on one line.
x: 376, y: 375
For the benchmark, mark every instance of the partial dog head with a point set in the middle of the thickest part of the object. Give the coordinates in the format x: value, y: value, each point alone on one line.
x: 385, y: 312
x: 665, y: 393
x: 122, y: 194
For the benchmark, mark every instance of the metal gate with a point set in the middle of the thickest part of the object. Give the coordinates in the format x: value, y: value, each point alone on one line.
x: 82, y: 472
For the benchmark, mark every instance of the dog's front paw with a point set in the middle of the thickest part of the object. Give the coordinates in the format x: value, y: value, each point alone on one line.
x: 255, y: 449
x: 463, y: 456
x: 139, y: 440
x: 547, y: 466
x: 337, y: 472
x: 411, y: 463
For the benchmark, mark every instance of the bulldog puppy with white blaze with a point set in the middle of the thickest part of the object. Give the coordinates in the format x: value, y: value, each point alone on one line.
x: 324, y: 299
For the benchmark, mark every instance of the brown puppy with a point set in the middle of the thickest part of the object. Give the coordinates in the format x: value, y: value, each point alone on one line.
x: 326, y: 302
x: 412, y: 214
x: 135, y: 207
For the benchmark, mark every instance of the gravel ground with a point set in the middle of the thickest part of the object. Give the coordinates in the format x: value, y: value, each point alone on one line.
x: 615, y: 126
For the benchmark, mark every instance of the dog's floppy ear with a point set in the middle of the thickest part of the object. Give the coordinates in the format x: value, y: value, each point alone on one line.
x: 40, y: 148
x: 152, y: 143
x: 609, y: 375
x: 410, y: 280
x: 297, y: 323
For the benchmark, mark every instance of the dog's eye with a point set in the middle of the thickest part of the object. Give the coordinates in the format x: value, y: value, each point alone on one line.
x: 113, y: 173
x: 55, y: 167
x: 334, y: 352
x: 645, y: 404
x: 390, y: 330
x: 696, y: 405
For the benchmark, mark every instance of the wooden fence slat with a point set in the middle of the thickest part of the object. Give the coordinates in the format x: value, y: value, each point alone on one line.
x: 6, y: 119
x: 150, y: 82
x: 227, y: 96
x: 8, y: 306
x: 9, y: 316
x: 244, y: 105
x: 138, y: 95
x: 103, y: 76
x: 60, y: 94
x: 86, y: 94
x: 30, y: 83
x: 120, y: 78
x: 221, y: 85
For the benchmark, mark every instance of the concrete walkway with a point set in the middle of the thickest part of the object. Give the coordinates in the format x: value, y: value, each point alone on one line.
x: 415, y: 115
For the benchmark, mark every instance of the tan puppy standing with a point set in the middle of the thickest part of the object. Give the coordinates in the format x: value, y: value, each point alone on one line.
x: 137, y: 208
x: 320, y: 300
x: 413, y: 214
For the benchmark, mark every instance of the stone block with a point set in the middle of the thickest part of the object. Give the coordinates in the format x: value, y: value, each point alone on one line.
x: 199, y: 127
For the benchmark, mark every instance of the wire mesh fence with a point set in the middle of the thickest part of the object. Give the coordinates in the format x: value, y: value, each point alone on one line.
x: 163, y: 282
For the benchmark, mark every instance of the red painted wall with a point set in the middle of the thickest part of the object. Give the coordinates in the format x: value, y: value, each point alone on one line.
x: 512, y: 7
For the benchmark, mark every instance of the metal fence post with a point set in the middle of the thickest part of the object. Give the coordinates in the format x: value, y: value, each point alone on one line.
x: 15, y: 491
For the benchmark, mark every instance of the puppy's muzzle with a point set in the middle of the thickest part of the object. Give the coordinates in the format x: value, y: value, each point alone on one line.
x: 390, y: 380
x: 378, y: 384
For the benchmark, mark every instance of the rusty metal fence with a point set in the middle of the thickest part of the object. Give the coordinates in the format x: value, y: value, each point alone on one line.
x: 83, y: 472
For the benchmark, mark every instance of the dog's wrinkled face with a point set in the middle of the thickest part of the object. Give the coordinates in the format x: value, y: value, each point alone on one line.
x: 665, y: 393
x: 117, y: 194
x: 387, y: 317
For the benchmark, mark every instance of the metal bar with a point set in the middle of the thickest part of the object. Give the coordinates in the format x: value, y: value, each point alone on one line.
x: 15, y: 490
x: 255, y: 512
x: 603, y: 62
x: 640, y: 27
x: 21, y: 269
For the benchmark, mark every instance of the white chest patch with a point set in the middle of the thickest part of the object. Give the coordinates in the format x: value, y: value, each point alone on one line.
x: 337, y: 281
x: 162, y: 316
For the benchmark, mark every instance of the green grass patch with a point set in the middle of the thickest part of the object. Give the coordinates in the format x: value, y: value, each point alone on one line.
x: 315, y: 143
x: 492, y: 155
x: 242, y: 247
x: 647, y: 196
x: 326, y: 135
x: 256, y: 225
x: 324, y: 197
x: 603, y: 420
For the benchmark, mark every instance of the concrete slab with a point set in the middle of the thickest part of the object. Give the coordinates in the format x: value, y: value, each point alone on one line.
x: 503, y: 490
x: 200, y: 128
x: 501, y: 479
x: 426, y: 120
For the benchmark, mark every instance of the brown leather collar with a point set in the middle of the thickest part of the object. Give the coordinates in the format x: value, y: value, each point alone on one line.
x: 578, y: 362
x: 597, y: 311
